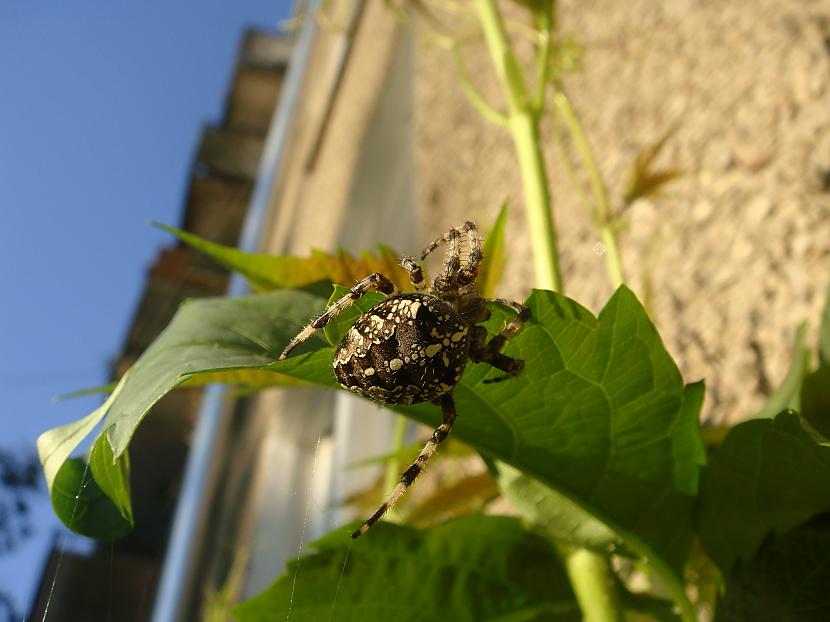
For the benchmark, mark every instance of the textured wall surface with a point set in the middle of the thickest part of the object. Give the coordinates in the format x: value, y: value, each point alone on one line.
x: 736, y: 253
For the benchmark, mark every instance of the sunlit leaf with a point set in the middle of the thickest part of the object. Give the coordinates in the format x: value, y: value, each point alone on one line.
x: 112, y: 475
x: 245, y: 379
x: 493, y: 266
x: 91, y: 497
x: 267, y: 272
x: 218, y: 335
x: 600, y: 414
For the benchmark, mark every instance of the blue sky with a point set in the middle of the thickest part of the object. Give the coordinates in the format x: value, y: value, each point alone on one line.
x: 101, y: 107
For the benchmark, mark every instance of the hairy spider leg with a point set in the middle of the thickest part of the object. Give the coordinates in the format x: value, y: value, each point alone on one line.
x: 469, y: 272
x: 416, y: 468
x: 374, y: 281
x: 455, y: 232
x: 447, y: 281
x: 489, y: 353
x: 415, y: 272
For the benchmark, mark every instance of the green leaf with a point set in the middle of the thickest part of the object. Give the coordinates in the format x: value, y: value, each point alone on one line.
x: 267, y: 272
x: 600, y: 414
x: 768, y: 477
x: 552, y: 512
x: 472, y: 569
x: 104, y: 388
x: 82, y: 506
x: 216, y: 335
x: 56, y: 445
x: 787, y: 580
x: 493, y: 251
x: 112, y: 476
x: 561, y: 413
x: 786, y: 395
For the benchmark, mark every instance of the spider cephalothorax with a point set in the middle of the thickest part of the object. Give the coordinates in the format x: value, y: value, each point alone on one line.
x: 414, y: 347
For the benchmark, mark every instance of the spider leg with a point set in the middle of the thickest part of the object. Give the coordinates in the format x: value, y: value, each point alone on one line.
x: 446, y: 281
x: 417, y: 467
x: 489, y: 353
x: 512, y: 367
x: 469, y: 272
x: 452, y: 269
x: 374, y: 281
x: 455, y: 232
x: 415, y: 272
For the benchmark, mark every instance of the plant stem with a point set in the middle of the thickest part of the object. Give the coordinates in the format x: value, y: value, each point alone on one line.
x: 593, y: 585
x: 523, y: 123
x: 602, y: 212
x: 524, y: 128
x: 612, y: 255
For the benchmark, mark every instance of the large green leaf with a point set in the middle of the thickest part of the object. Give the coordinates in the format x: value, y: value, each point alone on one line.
x: 600, y: 415
x: 767, y: 477
x: 212, y: 335
x: 475, y: 568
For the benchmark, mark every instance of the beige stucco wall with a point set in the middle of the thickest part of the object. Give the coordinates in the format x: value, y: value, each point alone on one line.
x: 738, y: 251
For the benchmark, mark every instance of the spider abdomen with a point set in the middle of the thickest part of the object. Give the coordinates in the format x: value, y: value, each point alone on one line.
x: 406, y: 349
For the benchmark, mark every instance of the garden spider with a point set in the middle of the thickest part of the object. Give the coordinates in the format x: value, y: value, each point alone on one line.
x: 413, y: 347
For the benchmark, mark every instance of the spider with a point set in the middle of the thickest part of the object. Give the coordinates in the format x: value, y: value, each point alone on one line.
x: 413, y: 347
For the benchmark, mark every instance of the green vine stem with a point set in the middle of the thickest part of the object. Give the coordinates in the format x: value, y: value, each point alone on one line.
x: 593, y: 584
x: 523, y: 124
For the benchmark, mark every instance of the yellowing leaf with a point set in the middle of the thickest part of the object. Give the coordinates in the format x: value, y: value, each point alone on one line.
x: 267, y: 272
